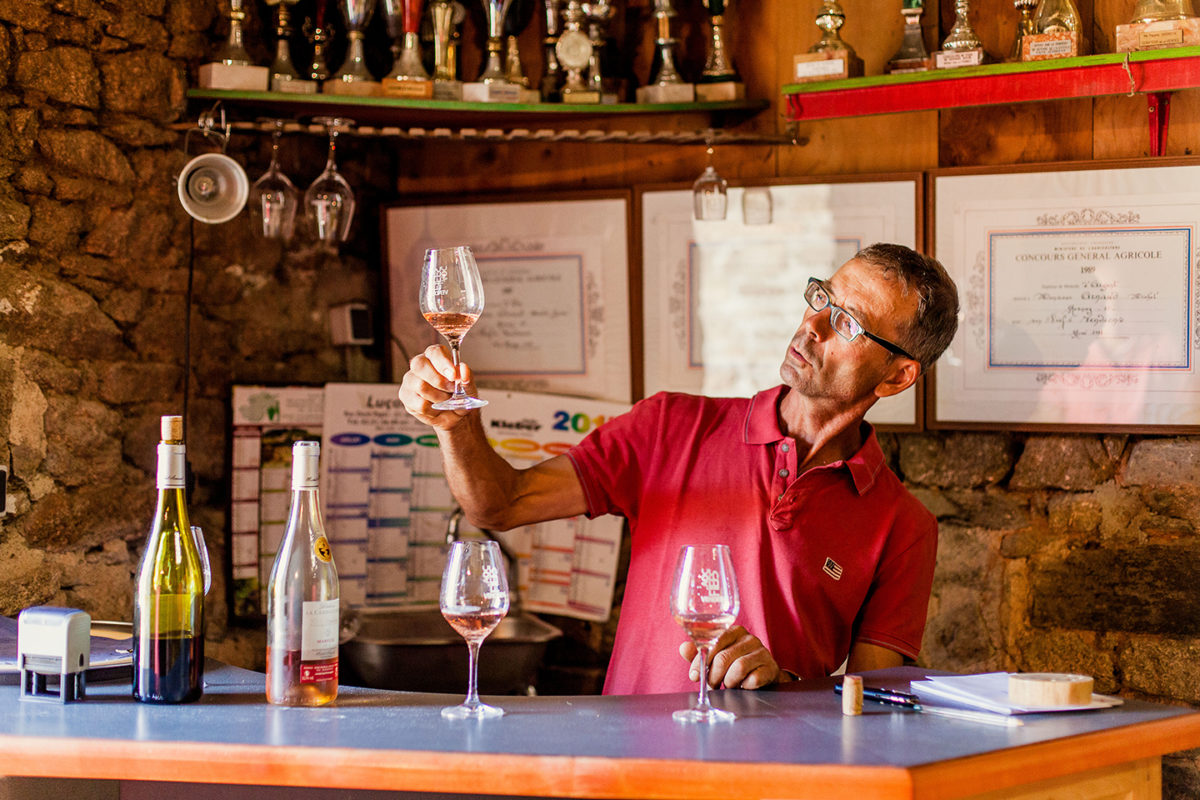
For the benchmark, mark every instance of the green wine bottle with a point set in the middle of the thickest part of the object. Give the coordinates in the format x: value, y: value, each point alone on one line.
x: 168, y: 603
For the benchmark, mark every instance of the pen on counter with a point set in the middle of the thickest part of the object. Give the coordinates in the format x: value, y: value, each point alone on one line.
x: 895, y: 697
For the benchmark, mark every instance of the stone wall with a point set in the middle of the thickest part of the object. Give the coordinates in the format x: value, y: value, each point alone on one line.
x: 1065, y: 553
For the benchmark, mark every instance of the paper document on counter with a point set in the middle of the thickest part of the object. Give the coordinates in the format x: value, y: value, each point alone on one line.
x: 989, y: 692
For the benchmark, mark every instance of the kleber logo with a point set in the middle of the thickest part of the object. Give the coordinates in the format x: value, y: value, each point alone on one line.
x: 517, y: 425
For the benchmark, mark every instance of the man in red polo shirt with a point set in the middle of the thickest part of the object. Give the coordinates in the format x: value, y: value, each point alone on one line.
x: 833, y: 555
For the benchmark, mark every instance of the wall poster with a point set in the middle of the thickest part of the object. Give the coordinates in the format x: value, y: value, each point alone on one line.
x: 722, y: 299
x: 556, y: 287
x: 1078, y: 290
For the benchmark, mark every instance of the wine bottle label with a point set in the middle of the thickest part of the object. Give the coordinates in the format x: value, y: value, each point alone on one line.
x: 315, y: 673
x: 321, y: 549
x: 319, y: 630
x: 170, y: 466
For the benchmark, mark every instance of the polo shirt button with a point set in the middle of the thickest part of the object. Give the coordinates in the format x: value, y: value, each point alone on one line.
x: 784, y: 447
x: 780, y: 497
x: 783, y: 473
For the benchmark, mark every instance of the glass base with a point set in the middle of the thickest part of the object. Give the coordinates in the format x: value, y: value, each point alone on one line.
x: 460, y: 403
x: 464, y: 711
x: 703, y: 715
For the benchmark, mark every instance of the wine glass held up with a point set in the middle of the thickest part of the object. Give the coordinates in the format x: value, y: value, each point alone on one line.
x: 451, y: 301
x: 704, y: 601
x: 474, y: 599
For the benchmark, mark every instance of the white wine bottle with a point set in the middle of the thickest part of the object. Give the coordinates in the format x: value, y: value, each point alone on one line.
x: 302, y: 599
x: 168, y: 604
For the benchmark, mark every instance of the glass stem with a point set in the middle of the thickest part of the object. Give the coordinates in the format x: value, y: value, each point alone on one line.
x: 458, y: 387
x: 472, y: 671
x: 703, y: 706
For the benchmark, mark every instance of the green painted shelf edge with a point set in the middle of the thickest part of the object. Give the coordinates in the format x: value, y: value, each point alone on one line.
x: 315, y: 102
x: 991, y: 70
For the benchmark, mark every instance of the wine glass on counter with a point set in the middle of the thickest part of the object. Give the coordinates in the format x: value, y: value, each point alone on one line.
x: 704, y: 601
x: 451, y: 301
x: 474, y: 599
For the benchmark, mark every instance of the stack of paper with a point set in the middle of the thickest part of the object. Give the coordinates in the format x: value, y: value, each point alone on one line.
x: 989, y: 692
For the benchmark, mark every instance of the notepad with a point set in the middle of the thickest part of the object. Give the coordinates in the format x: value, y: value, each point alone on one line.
x: 988, y: 691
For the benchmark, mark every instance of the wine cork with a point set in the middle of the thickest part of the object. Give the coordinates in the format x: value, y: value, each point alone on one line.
x: 172, y: 429
x: 852, y: 695
x: 1038, y: 689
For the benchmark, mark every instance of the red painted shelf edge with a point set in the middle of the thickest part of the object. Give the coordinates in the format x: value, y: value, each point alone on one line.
x: 982, y: 90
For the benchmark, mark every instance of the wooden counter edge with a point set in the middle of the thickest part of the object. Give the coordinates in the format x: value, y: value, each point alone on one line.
x: 407, y: 770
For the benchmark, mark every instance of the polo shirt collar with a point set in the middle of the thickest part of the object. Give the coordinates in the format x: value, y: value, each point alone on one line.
x: 762, y: 427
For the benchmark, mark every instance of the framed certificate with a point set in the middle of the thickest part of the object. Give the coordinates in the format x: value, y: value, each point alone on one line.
x: 1078, y: 292
x: 722, y: 299
x: 556, y: 281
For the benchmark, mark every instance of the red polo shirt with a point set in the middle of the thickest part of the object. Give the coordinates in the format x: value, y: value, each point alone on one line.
x: 838, y: 554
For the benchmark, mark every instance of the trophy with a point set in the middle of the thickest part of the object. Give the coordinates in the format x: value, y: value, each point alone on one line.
x: 1057, y: 32
x: 962, y: 47
x: 1026, y: 26
x: 493, y: 70
x: 669, y: 86
x: 574, y: 51
x: 318, y: 32
x: 599, y: 14
x: 552, y: 76
x: 408, y: 77
x: 233, y: 68
x: 830, y: 57
x: 719, y: 81
x: 912, y: 57
x: 445, y: 15
x: 515, y: 21
x: 284, y: 76
x: 1159, y: 23
x: 354, y: 77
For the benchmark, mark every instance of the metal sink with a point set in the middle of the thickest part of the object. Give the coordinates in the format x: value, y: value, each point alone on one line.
x: 418, y: 651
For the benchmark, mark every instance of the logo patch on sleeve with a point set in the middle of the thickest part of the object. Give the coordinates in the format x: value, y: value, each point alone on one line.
x: 832, y: 569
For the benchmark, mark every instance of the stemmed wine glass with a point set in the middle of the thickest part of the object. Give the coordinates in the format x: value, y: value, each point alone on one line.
x: 329, y: 199
x: 273, y: 198
x: 704, y: 600
x: 474, y: 599
x: 451, y: 301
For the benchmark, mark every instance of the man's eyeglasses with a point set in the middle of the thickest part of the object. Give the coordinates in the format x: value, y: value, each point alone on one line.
x: 840, y: 320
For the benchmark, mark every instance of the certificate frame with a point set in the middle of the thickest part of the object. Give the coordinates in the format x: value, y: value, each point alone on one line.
x: 862, y: 209
x: 1078, y: 288
x: 565, y: 253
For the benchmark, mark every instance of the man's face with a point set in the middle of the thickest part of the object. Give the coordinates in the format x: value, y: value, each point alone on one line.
x: 821, y: 364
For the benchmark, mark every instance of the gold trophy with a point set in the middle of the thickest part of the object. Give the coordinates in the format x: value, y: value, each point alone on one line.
x: 1026, y: 25
x: 1057, y: 32
x: 668, y: 86
x: 284, y: 75
x: 1159, y: 23
x: 962, y: 47
x: 830, y: 58
x: 719, y: 81
x: 408, y: 77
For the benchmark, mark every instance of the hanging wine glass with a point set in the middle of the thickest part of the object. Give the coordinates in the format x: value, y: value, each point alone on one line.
x: 273, y: 198
x: 330, y: 200
x: 709, y: 193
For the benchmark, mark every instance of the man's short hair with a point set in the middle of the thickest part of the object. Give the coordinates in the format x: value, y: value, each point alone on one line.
x: 930, y: 332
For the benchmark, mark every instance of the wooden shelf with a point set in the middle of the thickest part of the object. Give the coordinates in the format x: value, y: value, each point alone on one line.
x: 429, y: 114
x: 1153, y: 72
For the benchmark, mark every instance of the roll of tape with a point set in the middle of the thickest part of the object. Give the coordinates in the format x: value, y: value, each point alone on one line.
x: 1035, y: 689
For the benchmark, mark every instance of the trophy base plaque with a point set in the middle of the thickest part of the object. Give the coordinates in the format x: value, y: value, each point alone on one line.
x: 826, y: 65
x: 497, y: 92
x: 408, y: 87
x: 352, y: 88
x: 1157, y: 35
x: 949, y: 59
x: 589, y: 96
x: 900, y: 66
x: 447, y: 90
x: 665, y: 93
x: 1043, y: 46
x: 723, y: 91
x: 289, y: 85
x: 234, y: 76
